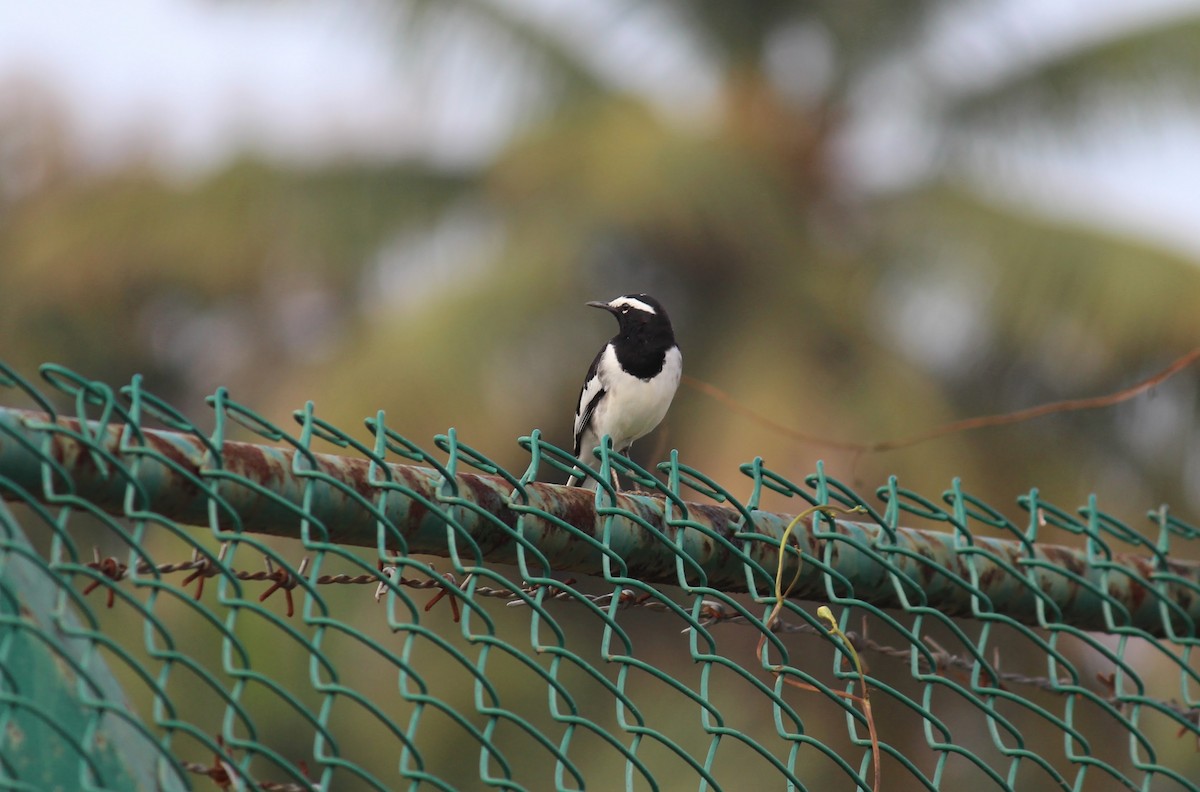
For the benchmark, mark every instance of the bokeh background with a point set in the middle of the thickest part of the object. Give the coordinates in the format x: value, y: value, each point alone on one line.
x: 866, y: 219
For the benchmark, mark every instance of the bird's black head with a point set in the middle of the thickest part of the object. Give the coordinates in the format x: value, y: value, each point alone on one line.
x: 642, y: 318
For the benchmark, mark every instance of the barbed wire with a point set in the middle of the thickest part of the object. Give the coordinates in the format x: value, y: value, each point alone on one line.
x: 711, y: 611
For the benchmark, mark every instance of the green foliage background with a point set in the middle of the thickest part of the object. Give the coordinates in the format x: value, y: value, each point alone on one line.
x: 453, y: 296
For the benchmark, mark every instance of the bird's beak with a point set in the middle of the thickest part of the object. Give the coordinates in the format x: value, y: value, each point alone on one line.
x: 603, y: 305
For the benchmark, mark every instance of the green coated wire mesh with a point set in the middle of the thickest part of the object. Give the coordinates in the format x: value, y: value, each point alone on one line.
x: 179, y: 609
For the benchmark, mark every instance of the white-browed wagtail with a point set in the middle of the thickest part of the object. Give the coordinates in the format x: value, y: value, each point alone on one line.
x: 632, y: 380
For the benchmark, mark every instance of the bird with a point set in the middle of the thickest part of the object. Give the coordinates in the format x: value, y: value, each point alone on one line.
x: 632, y: 380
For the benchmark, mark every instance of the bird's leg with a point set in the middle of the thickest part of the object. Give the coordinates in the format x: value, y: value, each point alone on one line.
x: 612, y: 471
x: 637, y: 489
x: 624, y: 452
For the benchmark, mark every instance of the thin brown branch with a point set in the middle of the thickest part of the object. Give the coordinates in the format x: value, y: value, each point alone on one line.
x: 712, y: 391
x: 954, y: 427
x: 1066, y: 405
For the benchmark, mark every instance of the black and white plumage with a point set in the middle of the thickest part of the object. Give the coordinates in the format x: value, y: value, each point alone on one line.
x: 631, y: 382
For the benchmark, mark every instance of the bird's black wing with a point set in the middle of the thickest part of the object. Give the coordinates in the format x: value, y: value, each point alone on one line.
x: 589, y: 396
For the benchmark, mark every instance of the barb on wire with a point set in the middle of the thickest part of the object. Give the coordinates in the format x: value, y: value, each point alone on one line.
x: 451, y: 586
x: 285, y: 580
x: 225, y: 776
x: 204, y: 569
x: 112, y: 569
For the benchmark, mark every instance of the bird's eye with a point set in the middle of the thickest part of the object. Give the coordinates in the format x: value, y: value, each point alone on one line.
x: 625, y: 309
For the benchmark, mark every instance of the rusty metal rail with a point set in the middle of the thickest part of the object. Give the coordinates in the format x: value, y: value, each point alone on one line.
x: 267, y: 487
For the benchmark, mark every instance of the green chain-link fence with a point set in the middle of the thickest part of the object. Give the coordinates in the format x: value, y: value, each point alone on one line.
x: 178, y: 609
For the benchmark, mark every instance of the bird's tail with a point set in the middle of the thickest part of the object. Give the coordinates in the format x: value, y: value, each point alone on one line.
x: 581, y: 480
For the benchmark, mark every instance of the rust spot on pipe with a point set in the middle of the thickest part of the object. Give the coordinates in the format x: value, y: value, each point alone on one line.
x: 253, y: 463
x: 358, y: 477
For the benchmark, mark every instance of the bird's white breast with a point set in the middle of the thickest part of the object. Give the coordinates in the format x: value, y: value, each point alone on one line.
x: 640, y: 404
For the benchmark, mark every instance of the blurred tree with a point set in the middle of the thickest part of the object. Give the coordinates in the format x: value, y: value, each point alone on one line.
x: 450, y: 295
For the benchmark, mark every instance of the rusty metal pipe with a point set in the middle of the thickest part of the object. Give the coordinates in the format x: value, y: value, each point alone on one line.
x: 27, y: 446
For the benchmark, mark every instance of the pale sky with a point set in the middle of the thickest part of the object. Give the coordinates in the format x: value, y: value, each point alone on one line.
x: 203, y: 80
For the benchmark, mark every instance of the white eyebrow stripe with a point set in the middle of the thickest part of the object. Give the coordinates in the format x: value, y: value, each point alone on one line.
x: 634, y: 303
